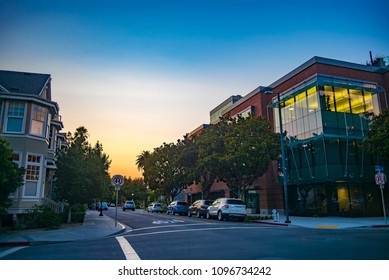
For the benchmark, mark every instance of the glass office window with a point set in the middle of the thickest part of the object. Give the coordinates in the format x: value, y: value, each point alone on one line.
x: 356, y: 100
x: 342, y: 100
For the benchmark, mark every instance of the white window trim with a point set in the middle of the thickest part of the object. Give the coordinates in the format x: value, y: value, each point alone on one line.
x: 44, y: 122
x: 6, y: 118
x: 38, y: 189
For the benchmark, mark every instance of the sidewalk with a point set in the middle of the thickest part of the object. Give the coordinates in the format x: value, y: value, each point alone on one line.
x: 329, y: 222
x: 94, y: 227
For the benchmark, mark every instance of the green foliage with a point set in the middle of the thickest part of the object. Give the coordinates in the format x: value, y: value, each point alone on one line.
x: 377, y: 141
x: 82, y: 170
x: 237, y: 151
x: 234, y: 150
x: 41, y: 217
x: 134, y: 189
x: 170, y: 167
x: 11, y: 177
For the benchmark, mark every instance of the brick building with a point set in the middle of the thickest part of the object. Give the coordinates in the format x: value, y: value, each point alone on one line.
x: 326, y: 107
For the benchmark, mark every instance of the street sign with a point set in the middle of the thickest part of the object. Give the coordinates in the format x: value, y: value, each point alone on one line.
x: 117, y: 180
x: 379, y: 168
x: 380, y: 179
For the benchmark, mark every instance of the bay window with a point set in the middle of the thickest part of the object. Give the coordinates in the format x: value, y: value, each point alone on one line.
x: 38, y: 120
x: 15, y: 116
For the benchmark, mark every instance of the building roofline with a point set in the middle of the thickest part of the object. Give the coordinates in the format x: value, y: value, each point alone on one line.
x: 225, y: 102
x: 328, y: 61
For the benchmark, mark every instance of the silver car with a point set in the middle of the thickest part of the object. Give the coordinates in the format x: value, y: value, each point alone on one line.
x: 155, y: 207
x: 226, y: 209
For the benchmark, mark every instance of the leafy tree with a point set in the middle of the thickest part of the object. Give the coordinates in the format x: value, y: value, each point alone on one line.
x: 211, y: 148
x: 135, y: 189
x: 250, y: 146
x: 11, y: 177
x: 236, y: 151
x: 377, y: 141
x: 170, y: 167
x: 141, y: 159
x: 82, y: 170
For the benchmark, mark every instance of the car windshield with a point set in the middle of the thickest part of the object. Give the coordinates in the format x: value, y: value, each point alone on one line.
x: 235, y: 201
x: 182, y: 203
x: 208, y: 202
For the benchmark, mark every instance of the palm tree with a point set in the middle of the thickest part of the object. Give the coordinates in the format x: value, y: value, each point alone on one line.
x: 141, y: 159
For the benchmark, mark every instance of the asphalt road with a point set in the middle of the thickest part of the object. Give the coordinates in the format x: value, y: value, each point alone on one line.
x: 157, y: 236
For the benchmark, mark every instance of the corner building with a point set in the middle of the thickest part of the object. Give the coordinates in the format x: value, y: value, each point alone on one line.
x: 31, y: 123
x: 326, y: 107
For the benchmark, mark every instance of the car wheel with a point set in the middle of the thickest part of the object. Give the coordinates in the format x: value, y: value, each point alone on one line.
x: 189, y: 214
x: 173, y: 213
x: 220, y: 216
x: 208, y: 215
x: 198, y: 215
x: 124, y: 209
x: 133, y: 209
x: 167, y: 212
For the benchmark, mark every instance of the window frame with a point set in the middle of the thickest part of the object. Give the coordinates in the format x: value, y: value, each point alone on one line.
x: 39, y: 176
x: 6, y: 116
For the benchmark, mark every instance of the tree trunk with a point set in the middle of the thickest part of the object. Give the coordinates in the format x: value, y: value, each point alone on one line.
x: 70, y: 215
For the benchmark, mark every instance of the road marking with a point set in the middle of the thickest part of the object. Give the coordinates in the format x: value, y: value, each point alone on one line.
x: 128, y: 251
x: 188, y: 230
x: 325, y: 226
x: 10, y: 251
x: 168, y: 222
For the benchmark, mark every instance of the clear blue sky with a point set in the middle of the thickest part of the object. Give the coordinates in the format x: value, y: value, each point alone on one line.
x: 140, y: 73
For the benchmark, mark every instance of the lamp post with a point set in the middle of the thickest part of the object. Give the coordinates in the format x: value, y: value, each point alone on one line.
x: 285, y: 175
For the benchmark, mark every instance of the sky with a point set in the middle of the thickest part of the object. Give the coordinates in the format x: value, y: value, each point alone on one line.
x: 139, y: 73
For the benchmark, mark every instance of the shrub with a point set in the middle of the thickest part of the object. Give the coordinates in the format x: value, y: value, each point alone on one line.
x: 40, y: 217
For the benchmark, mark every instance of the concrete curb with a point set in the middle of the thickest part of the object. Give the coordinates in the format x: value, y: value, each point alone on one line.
x: 25, y: 243
x: 271, y: 223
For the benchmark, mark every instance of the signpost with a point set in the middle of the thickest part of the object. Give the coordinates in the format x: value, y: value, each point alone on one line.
x: 380, y: 179
x: 117, y: 181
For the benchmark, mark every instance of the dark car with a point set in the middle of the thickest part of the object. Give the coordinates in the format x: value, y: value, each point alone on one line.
x: 180, y: 207
x: 199, y: 208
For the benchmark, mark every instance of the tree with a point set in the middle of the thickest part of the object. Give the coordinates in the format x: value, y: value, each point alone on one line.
x: 210, y: 147
x: 141, y: 159
x: 236, y: 151
x: 134, y: 189
x: 82, y: 170
x: 250, y: 146
x: 11, y: 176
x: 377, y: 141
x: 170, y: 167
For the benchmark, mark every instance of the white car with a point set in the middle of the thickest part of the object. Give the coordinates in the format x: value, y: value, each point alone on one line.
x: 155, y: 207
x: 227, y: 208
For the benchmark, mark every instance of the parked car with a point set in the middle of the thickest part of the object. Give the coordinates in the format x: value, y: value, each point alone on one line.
x: 129, y: 205
x: 104, y: 206
x: 199, y: 208
x: 227, y: 208
x: 180, y: 207
x: 155, y: 207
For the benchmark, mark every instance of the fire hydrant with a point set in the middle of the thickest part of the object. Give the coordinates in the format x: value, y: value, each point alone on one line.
x: 275, y: 215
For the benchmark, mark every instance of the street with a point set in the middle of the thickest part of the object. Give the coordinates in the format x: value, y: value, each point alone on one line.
x: 157, y: 236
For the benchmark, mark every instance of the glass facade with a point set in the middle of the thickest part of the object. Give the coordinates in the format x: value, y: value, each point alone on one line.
x: 329, y: 170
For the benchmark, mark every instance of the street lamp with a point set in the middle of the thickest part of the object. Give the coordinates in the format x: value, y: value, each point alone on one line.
x: 283, y: 158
